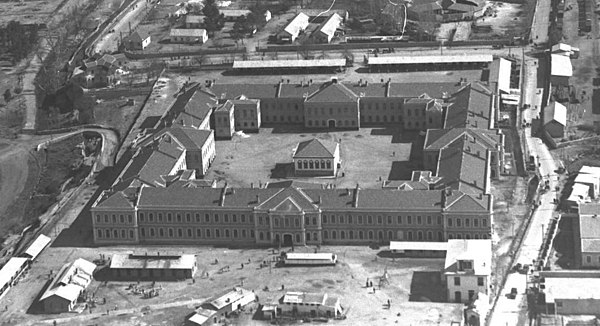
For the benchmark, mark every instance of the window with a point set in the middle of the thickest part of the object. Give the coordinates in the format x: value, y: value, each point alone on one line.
x: 189, y: 233
x: 243, y: 233
x: 171, y: 233
x: 206, y: 218
x: 116, y: 234
x: 389, y: 220
x: 399, y: 219
x: 471, y: 294
x: 178, y: 217
x: 307, y: 236
x: 332, y: 219
x: 419, y: 220
x: 370, y: 235
x: 342, y: 235
x: 360, y: 219
x: 360, y: 235
x: 217, y: 233
x: 107, y: 233
x: 419, y: 235
x: 457, y: 281
x: 350, y: 234
x: 188, y: 217
x: 314, y: 221
x: 409, y: 219
x: 106, y: 218
x: 429, y: 220
x: 370, y: 219
x: 467, y: 222
x: 324, y: 219
x: 197, y: 218
x: 333, y: 234
x: 131, y: 234
x: 458, y: 222
x: 484, y: 223
x: 299, y: 165
x: 276, y: 222
x: 297, y: 238
x: 243, y: 218
x: 480, y: 281
x: 325, y: 235
x: 217, y: 218
x: 227, y: 233
x: 169, y: 217
x: 152, y: 232
x: 476, y: 223
x: 429, y: 235
x: 588, y: 259
x: 199, y: 233
x: 114, y: 219
x: 297, y: 222
x: 99, y: 234
x: 449, y: 222
x: 559, y: 304
x: 379, y: 219
x: 208, y: 233
x: 97, y: 218
x: 439, y: 220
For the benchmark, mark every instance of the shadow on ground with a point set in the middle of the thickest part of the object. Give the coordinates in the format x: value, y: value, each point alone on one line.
x: 564, y: 243
x: 282, y: 171
x: 427, y: 287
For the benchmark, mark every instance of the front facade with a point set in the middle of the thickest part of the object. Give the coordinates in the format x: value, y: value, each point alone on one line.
x: 268, y: 216
x: 224, y: 120
x: 316, y: 158
x: 247, y: 114
x: 467, y: 269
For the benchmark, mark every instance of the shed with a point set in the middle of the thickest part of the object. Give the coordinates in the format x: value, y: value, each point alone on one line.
x: 560, y: 69
x: 36, y: 247
x: 159, y: 267
x: 10, y: 272
x: 555, y: 119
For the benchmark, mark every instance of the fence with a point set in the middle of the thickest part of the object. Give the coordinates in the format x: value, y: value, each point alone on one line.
x: 155, y: 55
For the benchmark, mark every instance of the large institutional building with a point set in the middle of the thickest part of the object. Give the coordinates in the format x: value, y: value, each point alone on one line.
x: 158, y: 200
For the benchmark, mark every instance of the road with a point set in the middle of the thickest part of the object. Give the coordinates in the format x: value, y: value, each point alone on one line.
x: 131, y: 17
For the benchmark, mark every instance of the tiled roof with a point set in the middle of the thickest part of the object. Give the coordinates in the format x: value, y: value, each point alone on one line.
x: 116, y: 200
x: 398, y: 199
x: 458, y: 201
x: 138, y: 36
x: 254, y: 91
x: 194, y: 107
x: 368, y: 89
x: 472, y: 108
x: 187, y: 138
x: 439, y: 138
x: 333, y: 92
x: 289, y: 199
x: 295, y: 184
x: 315, y: 148
x: 435, y: 90
x: 298, y: 91
x: 193, y: 32
x: 227, y: 106
x: 589, y: 221
x: 332, y: 198
x: 194, y: 19
x: 463, y: 165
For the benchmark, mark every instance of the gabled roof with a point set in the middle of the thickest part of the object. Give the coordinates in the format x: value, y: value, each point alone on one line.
x: 330, y: 25
x: 440, y: 138
x: 116, y: 200
x: 315, y: 148
x: 333, y: 92
x: 458, y: 201
x: 472, y: 108
x: 250, y: 90
x: 463, y: 166
x: 289, y: 199
x: 557, y: 112
x: 297, y: 24
x: 138, y: 36
x: 187, y: 138
x: 560, y: 65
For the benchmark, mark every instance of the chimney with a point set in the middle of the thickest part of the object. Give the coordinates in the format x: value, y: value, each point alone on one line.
x: 360, y: 82
x: 223, y: 194
x: 347, y: 191
x: 251, y: 185
x: 475, y: 183
x: 320, y: 200
x: 478, y: 153
x: 468, y: 149
x: 334, y: 80
x: 366, y: 83
x: 257, y: 199
x: 355, y: 198
x: 158, y: 253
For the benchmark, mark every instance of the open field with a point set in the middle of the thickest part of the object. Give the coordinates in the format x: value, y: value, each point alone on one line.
x: 369, y: 155
x: 117, y: 114
x: 30, y: 12
x: 347, y: 280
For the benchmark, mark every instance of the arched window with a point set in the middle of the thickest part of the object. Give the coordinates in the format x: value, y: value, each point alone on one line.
x: 419, y: 235
x: 325, y: 235
x: 297, y: 238
x: 380, y: 234
x: 315, y: 237
x: 342, y: 235
x: 317, y: 165
x: 410, y: 235
x: 143, y: 232
x: 329, y: 165
x: 107, y: 233
x: 390, y: 235
x: 123, y: 234
x: 429, y: 235
x: 305, y: 163
x: 199, y: 233
x: 115, y: 234
x: 217, y: 233
x: 440, y: 236
x: 261, y: 236
x: 297, y: 222
x: 307, y: 236
x: 171, y: 233
x: 227, y: 233
x: 370, y: 219
x: 350, y: 234
x: 467, y: 222
x: 306, y: 220
x: 299, y: 164
x: 152, y: 232
x: 360, y: 235
x: 314, y: 221
x: 311, y: 164
x: 370, y: 235
x: 334, y: 234
x: 349, y: 219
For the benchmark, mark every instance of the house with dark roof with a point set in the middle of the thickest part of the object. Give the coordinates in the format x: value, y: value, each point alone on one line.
x: 293, y: 28
x: 137, y: 41
x: 473, y: 106
x: 316, y: 158
x: 333, y: 105
x: 102, y: 71
x: 445, y: 10
x: 193, y: 21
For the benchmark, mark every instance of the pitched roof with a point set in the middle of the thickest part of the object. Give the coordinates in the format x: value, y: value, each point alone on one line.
x: 195, y: 108
x: 330, y: 25
x: 250, y: 90
x: 289, y: 200
x: 366, y: 89
x: 557, y: 112
x: 435, y: 90
x: 479, y: 251
x: 138, y: 36
x: 186, y: 137
x: 194, y: 19
x: 560, y: 65
x: 463, y: 166
x: 315, y: 148
x: 297, y: 24
x: 116, y: 200
x: 333, y: 92
x: 458, y: 201
x: 193, y: 32
x: 441, y: 138
x: 472, y: 108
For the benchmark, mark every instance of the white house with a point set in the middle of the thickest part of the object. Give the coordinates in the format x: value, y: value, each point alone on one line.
x: 65, y: 289
x: 291, y: 31
x: 138, y: 40
x: 555, y: 119
x: 467, y: 268
x: 221, y: 305
x: 193, y: 35
x: 310, y: 304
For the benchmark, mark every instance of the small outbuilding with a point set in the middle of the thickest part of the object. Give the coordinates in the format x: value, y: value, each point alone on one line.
x: 68, y: 285
x: 36, y: 247
x: 188, y: 36
x: 561, y: 69
x: 137, y: 41
x: 555, y: 119
x: 316, y: 158
x: 310, y: 304
x: 291, y: 31
x: 149, y: 267
x: 221, y: 305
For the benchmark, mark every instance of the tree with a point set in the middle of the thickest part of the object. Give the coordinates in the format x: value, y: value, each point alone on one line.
x: 7, y: 95
x: 213, y: 20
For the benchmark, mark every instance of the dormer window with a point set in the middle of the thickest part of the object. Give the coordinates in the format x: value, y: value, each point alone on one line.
x: 465, y: 265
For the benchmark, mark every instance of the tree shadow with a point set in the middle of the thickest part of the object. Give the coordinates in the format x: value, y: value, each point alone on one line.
x: 282, y: 171
x: 564, y: 242
x: 427, y: 287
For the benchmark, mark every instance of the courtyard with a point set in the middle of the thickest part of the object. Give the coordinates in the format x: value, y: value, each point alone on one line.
x: 369, y: 156
x: 409, y: 280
